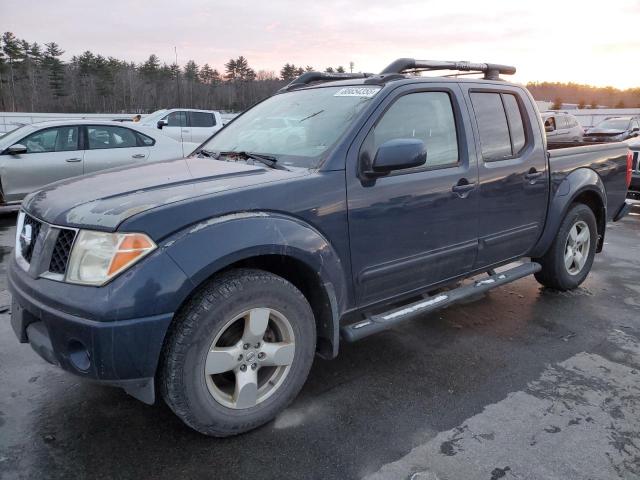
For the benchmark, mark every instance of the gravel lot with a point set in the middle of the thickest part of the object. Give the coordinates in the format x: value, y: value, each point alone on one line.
x: 525, y: 383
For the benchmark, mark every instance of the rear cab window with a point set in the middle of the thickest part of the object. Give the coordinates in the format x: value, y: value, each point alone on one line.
x: 500, y: 124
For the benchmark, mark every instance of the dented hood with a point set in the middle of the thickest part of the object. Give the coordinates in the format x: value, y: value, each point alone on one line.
x: 104, y: 199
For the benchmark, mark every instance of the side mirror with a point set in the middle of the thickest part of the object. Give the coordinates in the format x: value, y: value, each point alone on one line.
x: 548, y: 128
x: 399, y: 154
x: 17, y: 149
x: 162, y: 123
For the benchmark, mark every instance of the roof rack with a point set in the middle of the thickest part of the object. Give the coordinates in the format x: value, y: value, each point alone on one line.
x: 310, y: 77
x: 491, y: 71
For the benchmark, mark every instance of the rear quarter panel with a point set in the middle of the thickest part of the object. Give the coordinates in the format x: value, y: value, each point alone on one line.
x: 600, y: 169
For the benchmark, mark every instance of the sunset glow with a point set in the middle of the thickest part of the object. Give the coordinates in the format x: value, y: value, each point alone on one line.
x: 583, y: 42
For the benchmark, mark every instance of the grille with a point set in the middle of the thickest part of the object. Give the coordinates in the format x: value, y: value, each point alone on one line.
x: 28, y: 242
x: 61, y: 251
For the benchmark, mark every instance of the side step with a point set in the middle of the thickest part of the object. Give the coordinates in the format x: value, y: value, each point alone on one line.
x: 378, y: 323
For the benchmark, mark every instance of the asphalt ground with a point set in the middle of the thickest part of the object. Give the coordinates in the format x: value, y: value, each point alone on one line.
x: 524, y: 383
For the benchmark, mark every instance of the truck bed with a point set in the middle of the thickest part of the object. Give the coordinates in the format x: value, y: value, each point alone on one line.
x: 608, y: 160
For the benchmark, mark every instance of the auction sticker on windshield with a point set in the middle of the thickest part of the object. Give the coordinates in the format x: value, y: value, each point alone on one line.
x: 357, y: 92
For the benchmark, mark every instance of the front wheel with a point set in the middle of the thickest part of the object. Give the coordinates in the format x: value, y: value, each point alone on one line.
x: 238, y: 353
x: 569, y: 259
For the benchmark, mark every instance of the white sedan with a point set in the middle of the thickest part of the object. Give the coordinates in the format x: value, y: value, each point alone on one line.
x: 34, y: 155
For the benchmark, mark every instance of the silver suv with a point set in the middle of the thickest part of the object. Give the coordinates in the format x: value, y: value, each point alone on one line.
x: 562, y: 127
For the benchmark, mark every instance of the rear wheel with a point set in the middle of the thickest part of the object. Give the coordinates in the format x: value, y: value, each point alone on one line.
x: 569, y: 259
x: 238, y: 353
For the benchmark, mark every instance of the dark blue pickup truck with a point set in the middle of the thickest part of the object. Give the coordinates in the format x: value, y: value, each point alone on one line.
x: 335, y: 209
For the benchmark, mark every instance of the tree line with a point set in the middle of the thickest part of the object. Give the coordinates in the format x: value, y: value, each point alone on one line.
x: 35, y: 78
x: 584, y: 96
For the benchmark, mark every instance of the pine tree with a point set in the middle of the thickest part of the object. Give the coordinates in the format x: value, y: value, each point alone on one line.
x: 55, y: 68
x: 288, y: 72
x: 13, y: 53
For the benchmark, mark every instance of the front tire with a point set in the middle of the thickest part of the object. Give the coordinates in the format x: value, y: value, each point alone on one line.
x: 238, y: 353
x: 569, y: 259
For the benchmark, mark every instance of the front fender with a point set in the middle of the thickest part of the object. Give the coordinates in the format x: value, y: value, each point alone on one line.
x: 208, y: 247
x: 564, y: 193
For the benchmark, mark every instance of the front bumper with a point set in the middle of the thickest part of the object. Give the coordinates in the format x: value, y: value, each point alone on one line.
x: 122, y: 353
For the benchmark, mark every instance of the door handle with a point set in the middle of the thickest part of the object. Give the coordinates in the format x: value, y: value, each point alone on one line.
x: 138, y: 155
x: 73, y: 160
x: 533, y: 175
x: 463, y: 188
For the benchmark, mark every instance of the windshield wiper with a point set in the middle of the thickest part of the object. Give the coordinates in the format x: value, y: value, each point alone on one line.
x: 268, y: 160
x: 206, y: 153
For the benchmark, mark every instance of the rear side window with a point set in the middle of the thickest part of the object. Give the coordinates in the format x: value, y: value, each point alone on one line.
x: 110, y: 137
x: 202, y: 119
x: 516, y: 124
x: 427, y: 116
x: 143, y: 140
x: 500, y: 125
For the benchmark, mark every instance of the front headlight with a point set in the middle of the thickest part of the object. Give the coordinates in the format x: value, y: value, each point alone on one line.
x: 97, y: 257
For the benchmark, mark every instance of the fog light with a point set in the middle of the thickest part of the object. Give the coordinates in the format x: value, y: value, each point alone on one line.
x: 79, y: 355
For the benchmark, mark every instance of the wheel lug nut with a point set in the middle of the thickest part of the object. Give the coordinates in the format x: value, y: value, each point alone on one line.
x: 257, y: 345
x: 246, y: 346
x: 240, y: 357
x: 261, y: 355
x: 254, y: 366
x: 243, y: 368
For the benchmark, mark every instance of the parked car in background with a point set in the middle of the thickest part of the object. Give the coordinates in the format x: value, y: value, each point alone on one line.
x: 634, y: 187
x: 614, y: 129
x: 188, y: 126
x: 562, y: 127
x: 40, y: 153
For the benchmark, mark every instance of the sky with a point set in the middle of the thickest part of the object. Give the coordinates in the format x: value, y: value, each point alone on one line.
x: 589, y: 42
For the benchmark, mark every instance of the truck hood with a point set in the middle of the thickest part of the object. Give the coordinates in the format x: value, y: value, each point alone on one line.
x: 104, y: 199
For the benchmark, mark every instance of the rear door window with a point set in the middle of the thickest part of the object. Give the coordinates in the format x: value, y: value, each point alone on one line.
x: 492, y: 125
x: 110, y: 137
x: 202, y: 119
x: 500, y: 125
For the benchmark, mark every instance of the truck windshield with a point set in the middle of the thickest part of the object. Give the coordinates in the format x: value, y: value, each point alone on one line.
x: 297, y: 128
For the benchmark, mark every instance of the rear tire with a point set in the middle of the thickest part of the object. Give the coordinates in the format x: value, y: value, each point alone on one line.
x: 569, y: 259
x: 238, y: 353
